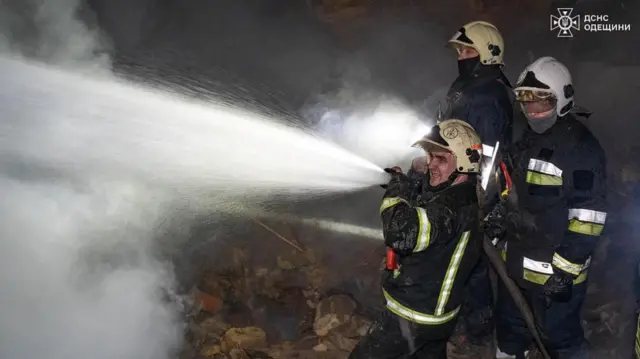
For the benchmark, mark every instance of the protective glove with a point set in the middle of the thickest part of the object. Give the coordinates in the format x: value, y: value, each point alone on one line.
x: 558, y: 288
x: 495, y: 223
x: 418, y: 180
x: 399, y: 185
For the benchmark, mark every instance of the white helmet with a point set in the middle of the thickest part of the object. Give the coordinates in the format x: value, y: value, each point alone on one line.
x: 484, y: 38
x: 459, y: 138
x: 547, y: 76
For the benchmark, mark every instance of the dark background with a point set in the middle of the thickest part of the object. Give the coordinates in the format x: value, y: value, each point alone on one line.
x: 285, y: 54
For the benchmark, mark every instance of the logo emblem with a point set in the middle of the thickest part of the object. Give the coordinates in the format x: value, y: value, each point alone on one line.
x: 565, y: 22
x: 450, y: 132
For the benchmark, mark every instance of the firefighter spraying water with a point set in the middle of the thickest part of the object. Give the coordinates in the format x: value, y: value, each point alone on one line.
x: 89, y: 167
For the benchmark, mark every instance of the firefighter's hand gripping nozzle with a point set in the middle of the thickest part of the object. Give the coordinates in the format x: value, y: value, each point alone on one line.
x: 396, y: 184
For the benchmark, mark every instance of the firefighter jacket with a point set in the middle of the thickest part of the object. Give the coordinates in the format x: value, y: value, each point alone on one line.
x: 559, y: 179
x: 437, y: 243
x: 485, y: 101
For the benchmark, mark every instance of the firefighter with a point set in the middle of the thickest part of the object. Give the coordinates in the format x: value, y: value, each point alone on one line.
x: 436, y: 243
x: 482, y: 96
x: 558, y: 173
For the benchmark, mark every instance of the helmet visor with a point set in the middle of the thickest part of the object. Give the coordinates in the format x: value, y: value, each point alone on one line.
x: 536, y: 102
x: 533, y: 95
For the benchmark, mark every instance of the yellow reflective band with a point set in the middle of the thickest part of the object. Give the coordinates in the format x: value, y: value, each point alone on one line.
x: 586, y: 221
x: 390, y: 202
x: 565, y: 265
x: 541, y: 279
x: 588, y: 215
x: 538, y: 272
x: 544, y: 167
x: 418, y: 317
x: 452, y: 270
x: 590, y: 229
x: 503, y: 255
x: 543, y: 173
x: 424, y: 232
x: 537, y: 266
x: 541, y: 179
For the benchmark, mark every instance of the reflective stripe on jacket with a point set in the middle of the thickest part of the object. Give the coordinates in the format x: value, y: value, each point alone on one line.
x: 437, y: 244
x: 560, y: 181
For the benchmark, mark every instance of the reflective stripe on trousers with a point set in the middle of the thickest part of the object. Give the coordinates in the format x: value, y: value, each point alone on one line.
x: 538, y: 272
x: 586, y: 221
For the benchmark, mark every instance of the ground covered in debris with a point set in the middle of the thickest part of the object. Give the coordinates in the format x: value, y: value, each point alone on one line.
x: 262, y: 298
x: 283, y: 304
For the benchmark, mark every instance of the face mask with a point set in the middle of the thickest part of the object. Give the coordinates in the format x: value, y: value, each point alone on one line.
x: 542, y: 124
x: 467, y: 66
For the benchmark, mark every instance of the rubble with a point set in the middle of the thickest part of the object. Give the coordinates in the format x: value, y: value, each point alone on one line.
x: 333, y: 312
x: 279, y: 309
x: 244, y: 338
x: 294, y: 304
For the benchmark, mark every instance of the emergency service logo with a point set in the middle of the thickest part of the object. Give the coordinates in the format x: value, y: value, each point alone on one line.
x: 565, y: 22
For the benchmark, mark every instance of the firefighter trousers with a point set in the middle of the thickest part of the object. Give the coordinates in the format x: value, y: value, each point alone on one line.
x: 559, y: 324
x: 393, y: 337
x: 476, y: 320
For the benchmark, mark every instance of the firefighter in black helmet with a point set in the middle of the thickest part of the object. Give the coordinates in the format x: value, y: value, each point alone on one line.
x: 558, y: 172
x: 437, y: 241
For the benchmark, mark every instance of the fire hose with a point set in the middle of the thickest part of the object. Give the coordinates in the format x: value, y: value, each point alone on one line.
x: 501, y: 269
x: 516, y: 294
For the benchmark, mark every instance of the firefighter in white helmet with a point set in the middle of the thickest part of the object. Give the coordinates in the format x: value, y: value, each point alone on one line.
x: 436, y: 242
x: 558, y: 172
x: 482, y: 96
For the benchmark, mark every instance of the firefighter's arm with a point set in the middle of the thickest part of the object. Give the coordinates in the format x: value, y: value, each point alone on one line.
x: 585, y: 187
x: 410, y: 229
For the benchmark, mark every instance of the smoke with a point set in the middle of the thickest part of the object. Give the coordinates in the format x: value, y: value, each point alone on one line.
x: 80, y: 273
x: 77, y: 279
x: 51, y: 31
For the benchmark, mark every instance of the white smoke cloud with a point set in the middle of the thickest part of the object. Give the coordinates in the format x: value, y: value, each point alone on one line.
x: 79, y: 277
x: 50, y: 31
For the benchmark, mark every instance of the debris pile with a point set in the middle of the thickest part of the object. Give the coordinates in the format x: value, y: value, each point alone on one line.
x: 287, y: 309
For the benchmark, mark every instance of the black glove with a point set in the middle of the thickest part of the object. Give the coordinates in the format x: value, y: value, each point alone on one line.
x: 495, y: 223
x: 399, y: 185
x: 558, y: 288
x: 418, y: 181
